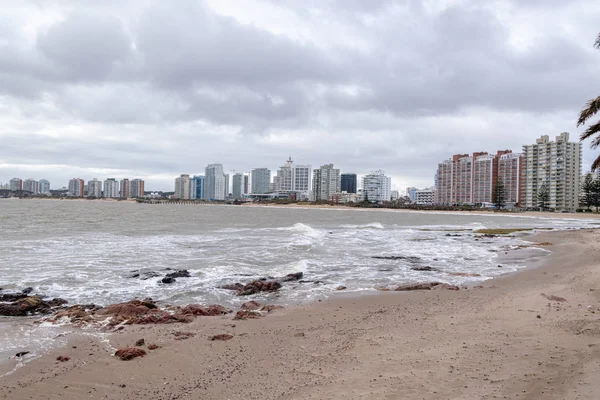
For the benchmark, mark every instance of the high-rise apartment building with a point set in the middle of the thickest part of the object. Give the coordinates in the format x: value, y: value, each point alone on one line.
x: 137, y: 188
x: 509, y: 173
x: 44, y: 186
x: 125, y: 189
x: 247, y: 186
x: 238, y: 185
x: 470, y: 179
x: 377, y: 187
x: 214, y: 182
x: 16, y: 184
x: 197, y: 187
x: 348, y: 183
x: 94, y: 188
x: 226, y: 185
x: 261, y: 178
x: 111, y: 188
x: 326, y: 182
x: 411, y: 192
x: 302, y: 175
x: 76, y: 187
x: 31, y: 185
x: 284, y: 180
x: 182, y: 187
x: 555, y: 166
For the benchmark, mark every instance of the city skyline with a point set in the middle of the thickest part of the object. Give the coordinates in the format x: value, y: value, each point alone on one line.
x: 318, y: 82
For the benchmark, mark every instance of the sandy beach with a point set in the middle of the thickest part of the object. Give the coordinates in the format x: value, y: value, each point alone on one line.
x: 506, y: 339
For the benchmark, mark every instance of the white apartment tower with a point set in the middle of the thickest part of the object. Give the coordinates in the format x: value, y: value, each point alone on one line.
x: 182, y: 187
x: 94, y: 188
x: 557, y: 165
x: 326, y: 182
x: 377, y: 187
x: 284, y: 180
x: 214, y: 182
x: 44, y: 186
x: 111, y: 188
x: 261, y: 178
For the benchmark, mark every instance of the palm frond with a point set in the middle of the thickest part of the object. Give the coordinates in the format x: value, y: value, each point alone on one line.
x: 596, y: 164
x: 590, y: 109
x: 591, y: 131
x: 597, y: 42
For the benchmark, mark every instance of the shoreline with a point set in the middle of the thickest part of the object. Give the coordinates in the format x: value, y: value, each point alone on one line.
x: 474, y: 343
x: 478, y: 212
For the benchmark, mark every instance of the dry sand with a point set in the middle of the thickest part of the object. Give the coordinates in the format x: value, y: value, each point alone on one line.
x: 504, y: 340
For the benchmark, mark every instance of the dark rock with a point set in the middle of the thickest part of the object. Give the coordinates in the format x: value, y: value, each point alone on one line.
x: 209, y: 311
x: 153, y: 346
x: 251, y: 305
x: 27, y: 290
x: 426, y: 286
x: 270, y: 307
x: 12, y: 296
x: 222, y: 336
x: 407, y: 258
x: 129, y: 353
x: 292, y: 277
x: 63, y: 358
x: 467, y: 274
x: 140, y: 342
x: 21, y: 354
x: 242, y: 315
x: 341, y: 288
x: 182, y: 273
x: 168, y: 279
x: 426, y: 268
x: 179, y: 335
x: 57, y: 302
x: 552, y: 297
x: 259, y: 286
x: 235, y: 286
x: 25, y: 306
x: 144, y: 275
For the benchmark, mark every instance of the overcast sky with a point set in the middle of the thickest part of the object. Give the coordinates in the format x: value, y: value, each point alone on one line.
x: 154, y: 88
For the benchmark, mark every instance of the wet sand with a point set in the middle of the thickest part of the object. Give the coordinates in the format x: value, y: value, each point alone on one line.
x: 502, y: 340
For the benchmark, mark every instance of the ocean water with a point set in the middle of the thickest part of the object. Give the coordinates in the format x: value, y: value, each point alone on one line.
x: 85, y: 251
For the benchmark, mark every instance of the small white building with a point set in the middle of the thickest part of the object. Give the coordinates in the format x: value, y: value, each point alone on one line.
x: 425, y: 197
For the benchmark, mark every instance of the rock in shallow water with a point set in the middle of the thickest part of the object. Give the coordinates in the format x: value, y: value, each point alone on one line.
x: 167, y: 280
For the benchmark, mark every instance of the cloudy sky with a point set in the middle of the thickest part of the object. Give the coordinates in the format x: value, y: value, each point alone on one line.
x: 153, y: 88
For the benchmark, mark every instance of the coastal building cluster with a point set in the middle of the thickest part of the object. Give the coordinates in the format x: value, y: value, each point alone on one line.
x: 291, y: 181
x: 551, y: 169
x: 77, y: 187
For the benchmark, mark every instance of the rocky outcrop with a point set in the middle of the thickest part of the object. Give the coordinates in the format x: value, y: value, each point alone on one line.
x: 251, y: 305
x: 63, y: 358
x: 270, y: 307
x: 407, y: 258
x: 144, y: 275
x: 253, y: 287
x: 552, y: 297
x: 467, y: 274
x: 243, y: 315
x: 29, y: 305
x: 424, y: 268
x: 222, y: 336
x: 341, y: 287
x: 182, y: 273
x: 422, y: 286
x: 291, y: 277
x: 140, y: 342
x: 167, y: 280
x: 130, y: 353
x: 209, y: 311
x: 179, y: 335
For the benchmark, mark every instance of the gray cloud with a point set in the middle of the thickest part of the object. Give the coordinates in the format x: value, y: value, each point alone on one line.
x: 160, y: 88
